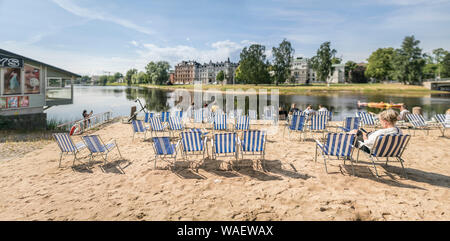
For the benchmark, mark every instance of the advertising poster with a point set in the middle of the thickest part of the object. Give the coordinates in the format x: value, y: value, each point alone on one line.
x: 12, y: 102
x: 24, y: 101
x: 2, y: 103
x: 12, y: 81
x: 32, y: 80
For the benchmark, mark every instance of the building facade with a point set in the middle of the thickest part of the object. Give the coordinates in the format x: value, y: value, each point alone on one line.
x: 301, y: 72
x: 338, y: 75
x: 187, y: 72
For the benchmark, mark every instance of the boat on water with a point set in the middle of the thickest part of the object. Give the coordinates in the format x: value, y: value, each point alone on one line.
x: 380, y: 105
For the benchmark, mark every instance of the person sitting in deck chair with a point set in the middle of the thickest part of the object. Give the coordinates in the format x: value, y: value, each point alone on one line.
x: 86, y: 117
x: 388, y: 118
x: 403, y: 112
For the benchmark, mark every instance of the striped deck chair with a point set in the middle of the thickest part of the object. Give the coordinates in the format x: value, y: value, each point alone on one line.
x: 253, y: 114
x: 318, y: 123
x: 367, y: 120
x: 138, y: 127
x: 269, y: 113
x: 388, y: 146
x: 164, y: 149
x: 165, y: 115
x: 327, y: 113
x: 418, y: 122
x: 253, y: 143
x: 351, y: 123
x: 225, y: 144
x: 156, y: 126
x: 175, y: 124
x: 198, y: 116
x: 178, y: 113
x: 242, y: 123
x: 193, y: 143
x: 220, y: 123
x: 67, y: 146
x: 443, y: 121
x: 148, y: 116
x: 338, y: 145
x: 297, y: 124
x: 96, y: 146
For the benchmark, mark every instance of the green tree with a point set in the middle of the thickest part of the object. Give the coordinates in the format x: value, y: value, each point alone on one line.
x: 349, y: 67
x: 158, y: 72
x: 238, y: 75
x: 439, y: 55
x: 380, y: 66
x: 129, y: 74
x: 220, y: 76
x: 282, y: 61
x: 409, y: 62
x: 117, y: 76
x: 322, y: 62
x: 103, y: 80
x: 357, y: 75
x: 253, y: 65
x: 445, y: 72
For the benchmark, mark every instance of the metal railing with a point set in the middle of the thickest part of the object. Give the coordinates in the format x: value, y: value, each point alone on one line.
x: 88, y: 123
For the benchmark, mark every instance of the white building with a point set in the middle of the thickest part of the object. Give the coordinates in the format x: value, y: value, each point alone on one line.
x: 338, y: 75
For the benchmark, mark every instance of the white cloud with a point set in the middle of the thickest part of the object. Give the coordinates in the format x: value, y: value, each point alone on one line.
x: 87, y: 13
x: 218, y: 51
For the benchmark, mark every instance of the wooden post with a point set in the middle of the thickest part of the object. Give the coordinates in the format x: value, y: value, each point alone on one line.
x: 417, y: 110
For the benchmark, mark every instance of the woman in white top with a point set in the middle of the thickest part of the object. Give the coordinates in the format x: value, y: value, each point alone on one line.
x: 388, y: 118
x: 322, y: 108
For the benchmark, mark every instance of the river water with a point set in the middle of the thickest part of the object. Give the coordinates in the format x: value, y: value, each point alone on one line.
x: 120, y: 99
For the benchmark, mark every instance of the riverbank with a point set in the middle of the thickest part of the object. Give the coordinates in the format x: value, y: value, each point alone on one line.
x: 292, y: 187
x: 385, y: 88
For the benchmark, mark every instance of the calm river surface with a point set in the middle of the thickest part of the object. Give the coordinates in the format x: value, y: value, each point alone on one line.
x: 120, y: 99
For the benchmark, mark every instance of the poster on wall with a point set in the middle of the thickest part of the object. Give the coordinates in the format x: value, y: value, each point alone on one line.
x: 12, y: 102
x: 24, y: 101
x: 32, y: 80
x: 11, y: 84
x: 2, y: 103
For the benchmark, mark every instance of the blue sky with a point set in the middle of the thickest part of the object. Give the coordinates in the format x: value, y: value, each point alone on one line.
x: 89, y: 37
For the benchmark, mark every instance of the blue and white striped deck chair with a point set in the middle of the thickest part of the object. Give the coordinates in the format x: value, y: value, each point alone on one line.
x: 138, y: 127
x: 338, y: 145
x: 318, y: 123
x: 67, y: 146
x: 175, y: 124
x: 269, y: 113
x: 165, y: 115
x: 198, y: 116
x: 220, y: 123
x: 178, y: 113
x: 297, y: 124
x: 388, y: 146
x: 443, y: 121
x: 96, y: 146
x: 367, y: 119
x: 253, y: 143
x: 193, y: 143
x: 164, y: 149
x: 148, y: 115
x: 327, y: 113
x: 351, y: 123
x: 242, y: 123
x: 253, y: 114
x: 156, y: 126
x: 225, y: 144
x: 418, y: 122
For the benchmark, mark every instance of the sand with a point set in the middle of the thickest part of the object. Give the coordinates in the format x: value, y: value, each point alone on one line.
x: 291, y: 187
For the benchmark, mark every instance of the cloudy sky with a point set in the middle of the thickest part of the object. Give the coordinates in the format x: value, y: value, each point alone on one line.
x: 90, y: 37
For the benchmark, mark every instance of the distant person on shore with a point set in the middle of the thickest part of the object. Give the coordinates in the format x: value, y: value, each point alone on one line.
x: 309, y: 110
x: 86, y: 117
x: 282, y: 113
x: 293, y: 109
x: 403, y: 112
x: 322, y: 108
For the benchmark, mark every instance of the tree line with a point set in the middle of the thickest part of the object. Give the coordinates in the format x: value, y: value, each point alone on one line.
x: 406, y: 64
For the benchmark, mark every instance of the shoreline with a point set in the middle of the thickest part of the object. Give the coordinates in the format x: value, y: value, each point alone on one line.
x: 316, y: 89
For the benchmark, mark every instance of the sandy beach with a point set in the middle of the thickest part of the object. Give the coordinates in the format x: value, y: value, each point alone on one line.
x: 292, y: 186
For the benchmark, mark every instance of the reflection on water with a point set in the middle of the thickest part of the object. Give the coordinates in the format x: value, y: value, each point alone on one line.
x: 119, y: 100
